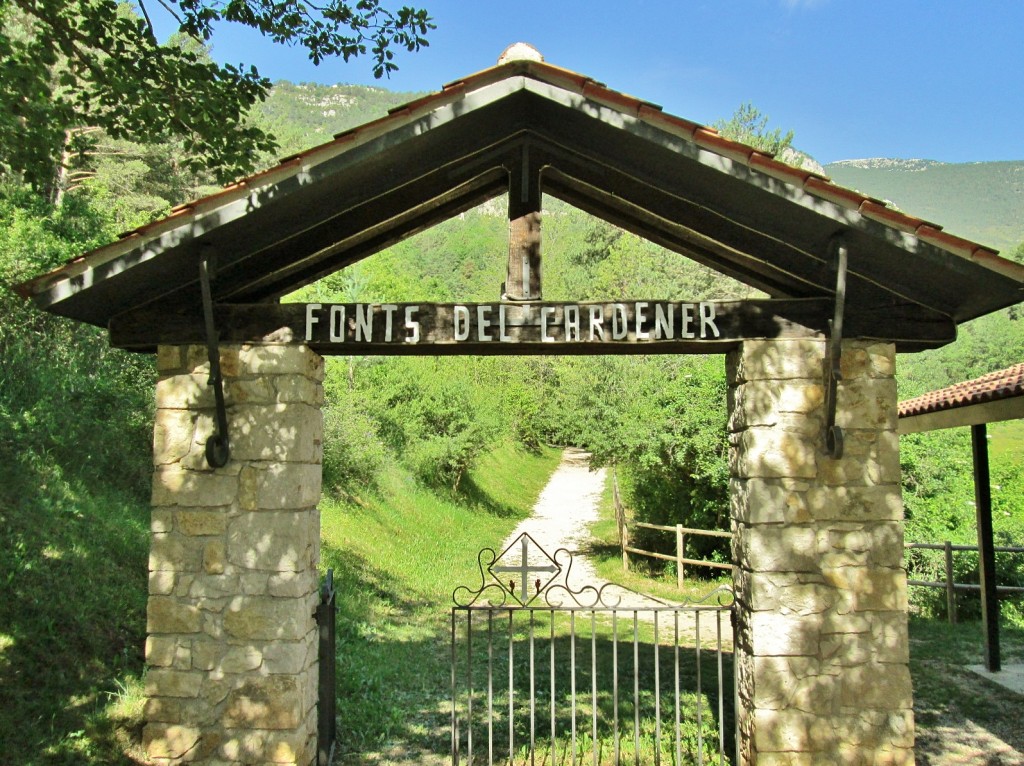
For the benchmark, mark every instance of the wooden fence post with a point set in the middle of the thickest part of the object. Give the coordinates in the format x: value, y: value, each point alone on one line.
x: 680, y: 544
x: 625, y: 543
x: 950, y: 590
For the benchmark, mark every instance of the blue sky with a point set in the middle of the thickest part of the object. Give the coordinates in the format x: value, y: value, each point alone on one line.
x: 935, y: 79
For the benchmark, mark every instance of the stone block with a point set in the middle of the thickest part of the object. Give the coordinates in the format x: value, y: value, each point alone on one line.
x: 175, y: 553
x: 183, y: 394
x: 280, y: 486
x: 794, y: 682
x: 765, y: 452
x: 160, y: 650
x: 779, y: 360
x: 867, y: 360
x: 170, y: 741
x: 867, y: 403
x: 201, y: 523
x: 785, y: 593
x: 168, y: 614
x: 877, y: 686
x: 271, y: 702
x: 275, y: 541
x: 792, y: 731
x: 268, y: 747
x: 776, y: 548
x: 769, y: 501
x: 170, y: 358
x: 869, y: 458
x: 290, y: 657
x: 297, y: 388
x: 177, y: 710
x: 214, y: 557
x: 277, y: 432
x: 174, y: 486
x: 240, y: 659
x: 292, y: 584
x: 161, y: 520
x: 162, y: 582
x: 281, y: 360
x: 855, y: 503
x: 213, y: 587
x: 761, y: 403
x: 258, y: 390
x: 265, y: 618
x: 868, y: 589
x: 873, y: 545
x: 164, y: 682
x: 777, y: 635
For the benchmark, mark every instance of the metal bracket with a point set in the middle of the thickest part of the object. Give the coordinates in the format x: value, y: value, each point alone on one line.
x: 217, y: 448
x: 833, y: 361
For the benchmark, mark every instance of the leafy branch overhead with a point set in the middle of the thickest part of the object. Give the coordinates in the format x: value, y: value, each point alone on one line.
x: 65, y: 65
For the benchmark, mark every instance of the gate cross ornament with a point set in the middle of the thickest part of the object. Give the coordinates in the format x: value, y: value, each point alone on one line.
x: 524, y: 568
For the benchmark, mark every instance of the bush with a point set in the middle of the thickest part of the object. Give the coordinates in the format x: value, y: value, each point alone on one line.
x: 353, y: 452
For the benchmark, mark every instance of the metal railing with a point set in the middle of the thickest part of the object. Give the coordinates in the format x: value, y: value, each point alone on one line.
x: 543, y: 673
x: 952, y: 587
x: 680, y: 556
x: 327, y: 723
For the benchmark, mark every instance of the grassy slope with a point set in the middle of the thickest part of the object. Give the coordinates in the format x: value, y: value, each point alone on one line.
x: 72, y: 613
x: 398, y: 554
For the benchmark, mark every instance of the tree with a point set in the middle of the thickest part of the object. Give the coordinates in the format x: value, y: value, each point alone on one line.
x: 749, y: 126
x: 69, y: 65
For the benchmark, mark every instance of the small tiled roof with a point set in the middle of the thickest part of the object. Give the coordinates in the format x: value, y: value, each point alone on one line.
x: 1004, y: 384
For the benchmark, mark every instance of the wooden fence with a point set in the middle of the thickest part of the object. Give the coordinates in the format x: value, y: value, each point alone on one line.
x: 952, y: 587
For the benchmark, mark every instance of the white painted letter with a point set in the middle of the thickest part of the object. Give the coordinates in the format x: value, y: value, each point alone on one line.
x: 620, y: 323
x: 411, y: 324
x: 664, y: 321
x: 707, y: 318
x: 364, y: 322
x: 389, y: 310
x: 483, y: 322
x: 686, y: 314
x: 597, y: 322
x: 337, y: 324
x: 571, y: 320
x: 501, y: 325
x: 460, y: 315
x: 641, y: 333
x: 311, y: 318
x: 545, y: 312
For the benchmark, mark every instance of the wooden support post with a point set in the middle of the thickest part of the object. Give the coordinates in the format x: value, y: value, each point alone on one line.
x: 523, y: 277
x: 986, y: 547
x: 950, y: 590
x: 625, y: 544
x: 680, y: 546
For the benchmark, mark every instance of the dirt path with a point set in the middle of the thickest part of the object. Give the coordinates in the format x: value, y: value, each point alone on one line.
x: 561, y: 517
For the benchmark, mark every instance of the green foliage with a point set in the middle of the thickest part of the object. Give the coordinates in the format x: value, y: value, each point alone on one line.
x: 97, y: 63
x: 749, y: 126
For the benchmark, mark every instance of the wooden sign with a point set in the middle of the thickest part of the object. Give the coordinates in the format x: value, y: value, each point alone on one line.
x: 631, y: 327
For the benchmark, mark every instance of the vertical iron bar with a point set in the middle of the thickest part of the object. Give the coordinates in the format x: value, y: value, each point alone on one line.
x: 572, y: 671
x: 469, y: 685
x: 700, y: 694
x: 636, y: 688
x: 721, y: 694
x: 615, y: 682
x: 950, y: 590
x: 511, y: 691
x: 552, y: 617
x: 533, y: 697
x: 455, y: 718
x: 593, y: 682
x: 490, y: 687
x: 679, y: 744
x: 657, y: 695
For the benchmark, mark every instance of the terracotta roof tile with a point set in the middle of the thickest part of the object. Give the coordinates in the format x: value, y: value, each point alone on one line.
x: 706, y: 137
x: 1004, y: 384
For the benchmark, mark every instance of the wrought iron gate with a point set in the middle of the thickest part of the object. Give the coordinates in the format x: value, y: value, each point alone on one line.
x: 546, y: 673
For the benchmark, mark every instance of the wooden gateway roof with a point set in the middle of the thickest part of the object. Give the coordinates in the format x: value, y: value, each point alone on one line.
x: 535, y: 128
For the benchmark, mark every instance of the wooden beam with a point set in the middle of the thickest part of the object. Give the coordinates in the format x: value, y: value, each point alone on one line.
x: 986, y: 548
x: 970, y: 415
x: 624, y: 327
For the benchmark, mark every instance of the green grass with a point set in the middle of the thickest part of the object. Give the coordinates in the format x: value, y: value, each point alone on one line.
x: 72, y: 620
x: 398, y: 553
x: 1007, y: 440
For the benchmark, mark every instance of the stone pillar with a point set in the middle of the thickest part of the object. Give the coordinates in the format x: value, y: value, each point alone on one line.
x: 232, y: 643
x: 821, y: 595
